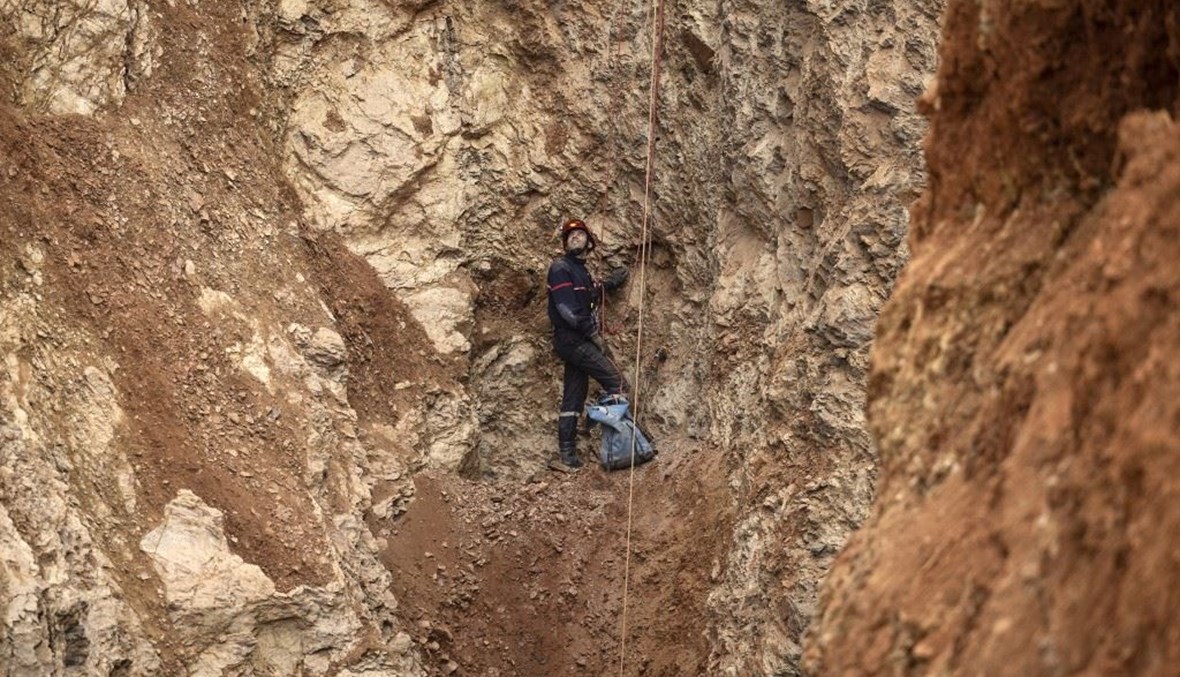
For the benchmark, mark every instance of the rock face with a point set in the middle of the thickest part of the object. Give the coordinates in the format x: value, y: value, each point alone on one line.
x: 75, y: 57
x: 1024, y: 383
x: 292, y: 253
x: 61, y: 607
x: 213, y: 593
x: 788, y: 146
x: 808, y: 240
x: 183, y: 486
x: 192, y: 558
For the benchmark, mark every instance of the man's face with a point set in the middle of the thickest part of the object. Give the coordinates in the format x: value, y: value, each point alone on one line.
x: 576, y: 241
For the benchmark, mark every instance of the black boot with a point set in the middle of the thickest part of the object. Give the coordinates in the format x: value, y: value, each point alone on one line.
x: 569, y: 455
x: 567, y: 458
x: 567, y: 446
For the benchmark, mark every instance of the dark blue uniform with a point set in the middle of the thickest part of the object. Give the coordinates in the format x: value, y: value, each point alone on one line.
x: 572, y: 300
x: 573, y: 297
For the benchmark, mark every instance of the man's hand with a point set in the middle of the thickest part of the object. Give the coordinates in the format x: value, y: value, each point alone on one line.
x: 598, y: 342
x: 617, y: 278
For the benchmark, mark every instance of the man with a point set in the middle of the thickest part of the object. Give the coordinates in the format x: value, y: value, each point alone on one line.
x: 573, y: 297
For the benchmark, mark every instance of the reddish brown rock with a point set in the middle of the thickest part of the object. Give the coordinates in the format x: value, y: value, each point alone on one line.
x: 1025, y: 388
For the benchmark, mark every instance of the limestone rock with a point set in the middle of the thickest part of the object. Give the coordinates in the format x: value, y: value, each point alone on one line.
x: 64, y: 608
x: 323, y: 347
x: 192, y: 557
x: 807, y: 247
x: 446, y: 314
x: 79, y: 57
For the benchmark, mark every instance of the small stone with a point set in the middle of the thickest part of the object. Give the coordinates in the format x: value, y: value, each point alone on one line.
x: 402, y: 642
x: 923, y: 650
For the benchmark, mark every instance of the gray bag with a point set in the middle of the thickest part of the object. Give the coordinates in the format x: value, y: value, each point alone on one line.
x: 618, y: 431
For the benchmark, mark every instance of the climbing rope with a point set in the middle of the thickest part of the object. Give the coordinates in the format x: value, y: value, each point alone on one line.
x: 611, y: 175
x: 644, y: 247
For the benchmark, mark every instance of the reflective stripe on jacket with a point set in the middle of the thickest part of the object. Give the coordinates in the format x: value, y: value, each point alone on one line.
x: 572, y: 299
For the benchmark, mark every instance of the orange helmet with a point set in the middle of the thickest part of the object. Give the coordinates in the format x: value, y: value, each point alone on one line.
x: 570, y: 225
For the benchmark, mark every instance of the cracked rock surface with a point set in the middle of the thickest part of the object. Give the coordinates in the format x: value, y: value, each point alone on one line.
x: 273, y: 303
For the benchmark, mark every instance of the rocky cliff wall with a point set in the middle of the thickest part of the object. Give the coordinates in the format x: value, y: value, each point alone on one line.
x: 205, y: 219
x: 787, y: 149
x: 821, y: 157
x: 444, y: 144
x: 1023, y: 389
x: 182, y: 483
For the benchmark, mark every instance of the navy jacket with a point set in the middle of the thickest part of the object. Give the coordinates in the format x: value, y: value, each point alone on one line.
x: 573, y: 297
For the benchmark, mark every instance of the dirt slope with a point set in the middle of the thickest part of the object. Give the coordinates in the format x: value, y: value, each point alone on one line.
x: 1024, y: 385
x: 527, y: 578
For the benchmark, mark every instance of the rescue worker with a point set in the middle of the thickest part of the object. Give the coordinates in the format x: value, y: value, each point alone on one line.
x: 577, y: 339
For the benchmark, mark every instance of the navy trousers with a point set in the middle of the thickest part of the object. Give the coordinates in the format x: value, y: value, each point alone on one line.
x: 583, y: 361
